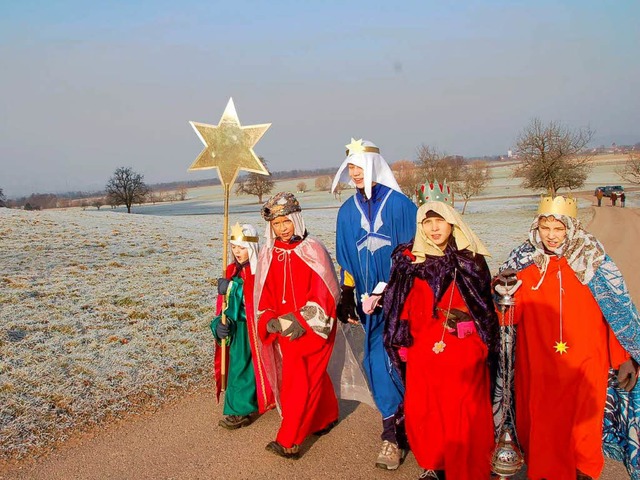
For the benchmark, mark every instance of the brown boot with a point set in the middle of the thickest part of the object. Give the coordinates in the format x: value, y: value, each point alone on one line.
x: 292, y: 452
x: 582, y: 476
x: 233, y: 422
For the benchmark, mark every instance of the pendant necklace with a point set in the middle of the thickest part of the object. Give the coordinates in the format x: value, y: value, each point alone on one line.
x: 561, y: 346
x: 439, y: 346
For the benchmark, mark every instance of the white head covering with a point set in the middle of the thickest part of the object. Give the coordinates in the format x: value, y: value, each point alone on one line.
x: 298, y: 228
x: 463, y: 235
x: 252, y: 247
x: 375, y: 168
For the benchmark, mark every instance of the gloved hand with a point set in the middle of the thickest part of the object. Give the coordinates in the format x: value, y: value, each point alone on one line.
x: 273, y: 326
x: 454, y: 316
x: 506, y: 282
x: 295, y: 330
x: 222, y: 330
x: 628, y: 374
x: 346, y: 308
x: 223, y: 286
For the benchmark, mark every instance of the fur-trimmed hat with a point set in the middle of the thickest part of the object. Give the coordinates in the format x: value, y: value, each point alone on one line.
x: 280, y: 205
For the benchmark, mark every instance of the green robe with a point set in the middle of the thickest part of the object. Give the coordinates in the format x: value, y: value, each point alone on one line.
x: 240, y: 396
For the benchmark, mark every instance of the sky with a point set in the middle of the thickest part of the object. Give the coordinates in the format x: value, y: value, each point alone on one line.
x: 87, y: 87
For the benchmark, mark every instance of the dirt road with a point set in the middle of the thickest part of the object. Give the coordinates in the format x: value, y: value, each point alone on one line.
x: 182, y: 440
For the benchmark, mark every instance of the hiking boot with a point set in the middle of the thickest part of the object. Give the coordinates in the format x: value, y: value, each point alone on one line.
x: 431, y: 474
x: 326, y: 429
x: 232, y: 422
x: 390, y: 456
x: 292, y: 453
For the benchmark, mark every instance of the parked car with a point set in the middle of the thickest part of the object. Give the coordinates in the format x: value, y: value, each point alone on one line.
x: 609, y: 189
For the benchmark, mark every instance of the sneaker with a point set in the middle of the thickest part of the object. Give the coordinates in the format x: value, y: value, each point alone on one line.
x: 275, y: 447
x: 433, y: 474
x: 390, y: 456
x: 232, y: 422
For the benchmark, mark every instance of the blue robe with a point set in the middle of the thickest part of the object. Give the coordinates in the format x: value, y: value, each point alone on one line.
x: 367, y: 233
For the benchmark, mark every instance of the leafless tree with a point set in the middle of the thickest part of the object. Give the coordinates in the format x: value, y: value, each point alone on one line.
x: 126, y: 187
x: 552, y: 156
x: 98, y: 202
x: 301, y: 187
x: 256, y: 184
x: 474, y: 178
x: 407, y: 175
x: 323, y: 183
x: 337, y: 192
x: 182, y: 193
x: 435, y: 165
x: 630, y: 171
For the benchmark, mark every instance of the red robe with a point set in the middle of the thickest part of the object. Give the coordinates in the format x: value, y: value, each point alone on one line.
x: 560, y: 398
x: 448, y: 413
x: 307, y: 399
x: 263, y: 389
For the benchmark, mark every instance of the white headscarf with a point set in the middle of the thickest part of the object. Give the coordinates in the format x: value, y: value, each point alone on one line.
x: 463, y: 235
x: 298, y: 228
x: 375, y: 170
x: 252, y: 247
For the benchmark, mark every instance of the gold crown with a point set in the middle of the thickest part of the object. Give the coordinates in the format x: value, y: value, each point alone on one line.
x: 559, y: 205
x: 237, y: 234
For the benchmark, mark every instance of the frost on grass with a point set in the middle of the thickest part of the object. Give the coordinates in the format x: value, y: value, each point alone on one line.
x: 98, y: 311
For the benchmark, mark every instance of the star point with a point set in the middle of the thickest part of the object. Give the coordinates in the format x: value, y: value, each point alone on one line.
x: 561, y: 347
x: 229, y: 146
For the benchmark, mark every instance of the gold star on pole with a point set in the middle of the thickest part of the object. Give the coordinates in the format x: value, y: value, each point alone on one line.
x: 229, y: 146
x: 561, y: 347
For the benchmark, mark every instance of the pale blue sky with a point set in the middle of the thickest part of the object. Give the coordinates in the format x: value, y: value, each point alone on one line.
x: 90, y: 86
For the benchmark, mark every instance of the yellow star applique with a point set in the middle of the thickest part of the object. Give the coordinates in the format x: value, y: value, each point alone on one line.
x: 355, y: 146
x: 229, y: 146
x: 561, y: 347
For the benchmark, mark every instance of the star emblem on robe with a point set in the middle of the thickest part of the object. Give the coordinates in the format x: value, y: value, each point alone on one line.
x: 355, y: 146
x: 229, y: 146
x: 561, y: 347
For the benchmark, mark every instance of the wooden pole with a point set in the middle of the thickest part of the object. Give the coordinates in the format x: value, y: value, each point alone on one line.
x: 225, y: 251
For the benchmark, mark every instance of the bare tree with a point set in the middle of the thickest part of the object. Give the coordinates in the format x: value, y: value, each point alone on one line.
x: 182, y: 193
x: 301, y: 187
x: 3, y: 199
x: 337, y: 193
x: 474, y: 178
x: 552, y: 156
x: 126, y: 187
x: 407, y: 175
x: 323, y: 183
x: 256, y: 184
x: 435, y: 165
x: 630, y: 171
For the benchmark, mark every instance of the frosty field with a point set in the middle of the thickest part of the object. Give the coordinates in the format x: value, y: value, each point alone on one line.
x: 101, y: 311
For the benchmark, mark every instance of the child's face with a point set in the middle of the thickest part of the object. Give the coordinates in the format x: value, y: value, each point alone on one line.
x: 438, y: 230
x: 241, y: 253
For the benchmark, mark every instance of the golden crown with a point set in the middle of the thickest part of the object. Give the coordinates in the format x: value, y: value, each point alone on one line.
x: 559, y: 205
x: 237, y: 234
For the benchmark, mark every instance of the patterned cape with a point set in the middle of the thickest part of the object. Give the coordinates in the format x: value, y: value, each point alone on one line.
x: 621, y: 432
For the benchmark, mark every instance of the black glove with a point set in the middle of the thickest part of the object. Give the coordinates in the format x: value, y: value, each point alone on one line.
x: 273, y: 326
x: 223, y: 286
x: 295, y: 330
x: 346, y: 307
x: 628, y: 375
x: 222, y: 330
